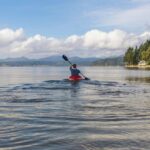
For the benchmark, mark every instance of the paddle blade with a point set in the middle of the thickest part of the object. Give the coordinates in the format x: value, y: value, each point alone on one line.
x: 86, y: 78
x: 65, y: 57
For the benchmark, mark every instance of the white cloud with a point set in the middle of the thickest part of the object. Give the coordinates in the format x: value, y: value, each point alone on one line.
x: 14, y: 43
x: 7, y: 36
x: 134, y: 18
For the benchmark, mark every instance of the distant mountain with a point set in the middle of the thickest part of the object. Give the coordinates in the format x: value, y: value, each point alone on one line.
x: 58, y: 61
x: 52, y: 60
x: 112, y: 61
x: 83, y: 61
x: 14, y: 59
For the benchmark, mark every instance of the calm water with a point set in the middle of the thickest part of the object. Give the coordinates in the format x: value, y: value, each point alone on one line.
x: 39, y: 110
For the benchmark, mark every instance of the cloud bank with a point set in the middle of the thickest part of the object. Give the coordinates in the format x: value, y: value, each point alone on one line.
x: 14, y: 43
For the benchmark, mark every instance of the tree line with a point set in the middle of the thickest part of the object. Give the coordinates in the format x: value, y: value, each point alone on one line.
x: 134, y: 55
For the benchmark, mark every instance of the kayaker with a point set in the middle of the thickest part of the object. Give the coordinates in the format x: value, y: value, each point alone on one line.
x: 75, y: 72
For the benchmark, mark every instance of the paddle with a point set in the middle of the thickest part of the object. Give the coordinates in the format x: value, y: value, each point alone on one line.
x: 66, y: 59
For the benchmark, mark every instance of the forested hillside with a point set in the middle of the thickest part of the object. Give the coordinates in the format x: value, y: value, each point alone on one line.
x: 134, y: 55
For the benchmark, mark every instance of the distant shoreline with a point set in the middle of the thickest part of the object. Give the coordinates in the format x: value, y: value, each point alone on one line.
x: 138, y: 66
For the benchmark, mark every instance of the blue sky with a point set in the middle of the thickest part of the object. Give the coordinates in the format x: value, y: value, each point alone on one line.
x: 61, y: 19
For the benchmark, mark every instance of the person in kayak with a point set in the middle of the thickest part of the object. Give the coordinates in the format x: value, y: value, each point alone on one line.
x: 75, y: 72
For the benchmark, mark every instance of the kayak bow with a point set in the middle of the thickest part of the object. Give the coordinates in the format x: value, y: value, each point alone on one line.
x: 75, y: 78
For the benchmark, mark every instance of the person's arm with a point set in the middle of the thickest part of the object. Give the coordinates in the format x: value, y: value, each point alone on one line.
x: 79, y: 72
x: 71, y: 67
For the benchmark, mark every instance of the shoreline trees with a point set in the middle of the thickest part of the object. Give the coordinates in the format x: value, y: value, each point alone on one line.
x: 134, y: 55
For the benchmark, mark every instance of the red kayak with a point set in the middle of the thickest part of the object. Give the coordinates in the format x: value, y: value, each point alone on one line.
x: 75, y: 78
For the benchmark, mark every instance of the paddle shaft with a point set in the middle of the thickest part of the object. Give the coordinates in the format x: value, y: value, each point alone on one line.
x: 69, y: 62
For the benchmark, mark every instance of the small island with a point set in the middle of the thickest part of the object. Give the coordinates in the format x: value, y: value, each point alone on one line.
x: 138, y: 57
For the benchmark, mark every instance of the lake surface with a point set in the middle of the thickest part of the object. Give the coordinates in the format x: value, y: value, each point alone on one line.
x: 40, y: 110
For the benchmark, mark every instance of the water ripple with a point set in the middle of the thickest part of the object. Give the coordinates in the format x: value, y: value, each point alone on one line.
x: 88, y: 115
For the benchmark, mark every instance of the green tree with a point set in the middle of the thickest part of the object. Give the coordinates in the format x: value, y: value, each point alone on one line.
x: 129, y: 56
x: 135, y: 55
x: 143, y: 50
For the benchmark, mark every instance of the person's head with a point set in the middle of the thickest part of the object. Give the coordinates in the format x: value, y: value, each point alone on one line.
x: 74, y: 66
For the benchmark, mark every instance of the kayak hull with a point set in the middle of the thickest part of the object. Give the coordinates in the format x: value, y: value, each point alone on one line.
x: 75, y: 78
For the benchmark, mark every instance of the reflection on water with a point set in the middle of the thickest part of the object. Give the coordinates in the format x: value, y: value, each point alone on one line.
x: 139, y: 79
x: 39, y: 112
x: 136, y: 68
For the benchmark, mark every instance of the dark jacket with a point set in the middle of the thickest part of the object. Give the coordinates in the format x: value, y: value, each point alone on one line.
x: 74, y: 71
